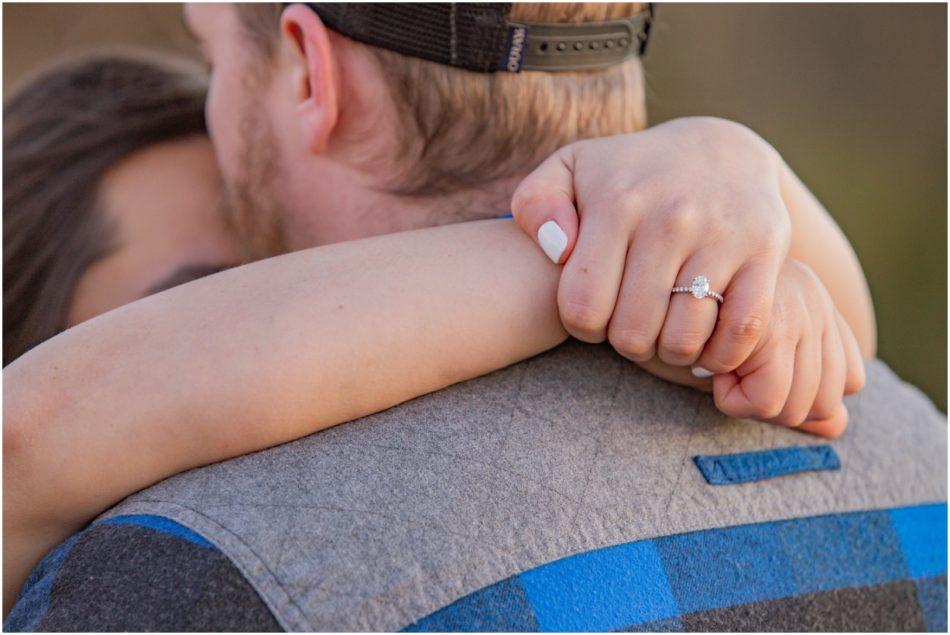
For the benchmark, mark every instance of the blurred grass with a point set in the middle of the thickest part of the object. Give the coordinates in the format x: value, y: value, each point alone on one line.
x: 853, y: 95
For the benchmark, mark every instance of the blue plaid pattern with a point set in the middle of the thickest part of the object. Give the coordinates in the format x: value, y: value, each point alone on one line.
x: 818, y: 573
x: 665, y: 583
x: 35, y: 597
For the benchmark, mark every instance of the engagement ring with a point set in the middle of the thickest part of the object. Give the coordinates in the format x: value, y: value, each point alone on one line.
x: 699, y: 289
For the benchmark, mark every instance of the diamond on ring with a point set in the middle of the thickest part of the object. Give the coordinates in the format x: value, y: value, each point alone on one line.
x: 700, y: 289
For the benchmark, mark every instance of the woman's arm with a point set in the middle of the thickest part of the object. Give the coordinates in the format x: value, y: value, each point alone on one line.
x: 257, y: 356
x: 819, y: 242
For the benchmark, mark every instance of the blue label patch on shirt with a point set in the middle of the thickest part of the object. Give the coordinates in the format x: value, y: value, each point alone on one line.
x: 725, y: 469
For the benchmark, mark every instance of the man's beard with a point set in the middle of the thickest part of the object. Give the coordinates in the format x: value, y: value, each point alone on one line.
x: 252, y: 210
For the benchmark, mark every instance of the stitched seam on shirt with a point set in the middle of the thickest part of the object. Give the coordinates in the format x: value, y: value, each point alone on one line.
x: 239, y: 564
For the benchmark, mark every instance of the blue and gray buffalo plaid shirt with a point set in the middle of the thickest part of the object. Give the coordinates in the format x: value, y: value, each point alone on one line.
x: 571, y: 492
x: 869, y: 571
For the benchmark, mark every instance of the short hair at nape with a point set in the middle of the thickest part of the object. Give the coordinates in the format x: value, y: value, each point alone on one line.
x: 463, y: 129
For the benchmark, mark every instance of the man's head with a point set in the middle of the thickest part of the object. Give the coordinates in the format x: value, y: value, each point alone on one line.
x: 322, y: 138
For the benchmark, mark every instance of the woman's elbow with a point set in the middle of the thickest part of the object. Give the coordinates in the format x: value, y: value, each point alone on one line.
x: 29, y: 416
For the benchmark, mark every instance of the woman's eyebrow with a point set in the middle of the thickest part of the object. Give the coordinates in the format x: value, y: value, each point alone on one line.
x: 184, y: 274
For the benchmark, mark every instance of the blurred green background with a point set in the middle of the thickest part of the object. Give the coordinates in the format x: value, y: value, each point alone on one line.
x: 853, y: 95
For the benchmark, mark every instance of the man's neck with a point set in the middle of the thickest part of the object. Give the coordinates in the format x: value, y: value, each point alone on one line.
x: 357, y: 208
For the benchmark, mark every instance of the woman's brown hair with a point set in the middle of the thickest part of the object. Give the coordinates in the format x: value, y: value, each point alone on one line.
x: 62, y: 131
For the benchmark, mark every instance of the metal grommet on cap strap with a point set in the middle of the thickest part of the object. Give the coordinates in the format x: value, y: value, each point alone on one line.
x: 580, y: 46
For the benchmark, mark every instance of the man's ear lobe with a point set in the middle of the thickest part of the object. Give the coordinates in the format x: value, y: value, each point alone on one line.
x: 313, y: 74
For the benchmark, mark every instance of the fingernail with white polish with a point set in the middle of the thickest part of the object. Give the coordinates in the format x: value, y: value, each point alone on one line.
x: 553, y: 240
x: 702, y: 373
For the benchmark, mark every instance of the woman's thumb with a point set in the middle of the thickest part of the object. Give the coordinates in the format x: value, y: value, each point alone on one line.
x: 543, y: 205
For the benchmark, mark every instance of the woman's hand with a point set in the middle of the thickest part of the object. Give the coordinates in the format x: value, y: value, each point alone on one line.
x: 634, y: 215
x: 803, y: 366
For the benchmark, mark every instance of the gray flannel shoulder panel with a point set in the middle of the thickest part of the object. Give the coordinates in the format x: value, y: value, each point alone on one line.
x: 406, y: 511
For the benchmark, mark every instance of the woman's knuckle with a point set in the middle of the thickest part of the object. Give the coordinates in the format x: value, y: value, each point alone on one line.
x: 823, y: 410
x: 530, y: 197
x: 579, y: 315
x: 772, y: 242
x: 635, y: 343
x: 726, y: 358
x: 769, y: 407
x: 679, y: 219
x: 620, y: 205
x: 842, y: 426
x: 682, y: 344
x: 790, y: 419
x: 746, y: 329
x: 855, y: 382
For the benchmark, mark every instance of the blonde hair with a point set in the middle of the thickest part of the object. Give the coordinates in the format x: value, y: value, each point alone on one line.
x: 464, y: 129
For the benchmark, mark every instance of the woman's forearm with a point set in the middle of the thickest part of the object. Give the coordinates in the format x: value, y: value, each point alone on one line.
x: 257, y: 356
x: 819, y: 242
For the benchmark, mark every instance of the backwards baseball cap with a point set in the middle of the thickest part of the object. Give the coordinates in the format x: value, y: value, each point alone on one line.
x: 481, y: 37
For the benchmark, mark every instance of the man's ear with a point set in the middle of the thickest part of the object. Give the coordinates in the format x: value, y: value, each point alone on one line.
x: 313, y: 74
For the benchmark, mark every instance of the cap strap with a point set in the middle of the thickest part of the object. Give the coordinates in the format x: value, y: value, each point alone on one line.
x: 575, y: 46
x: 479, y: 37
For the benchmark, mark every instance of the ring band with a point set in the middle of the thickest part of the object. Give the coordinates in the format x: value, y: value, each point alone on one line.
x: 700, y: 289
